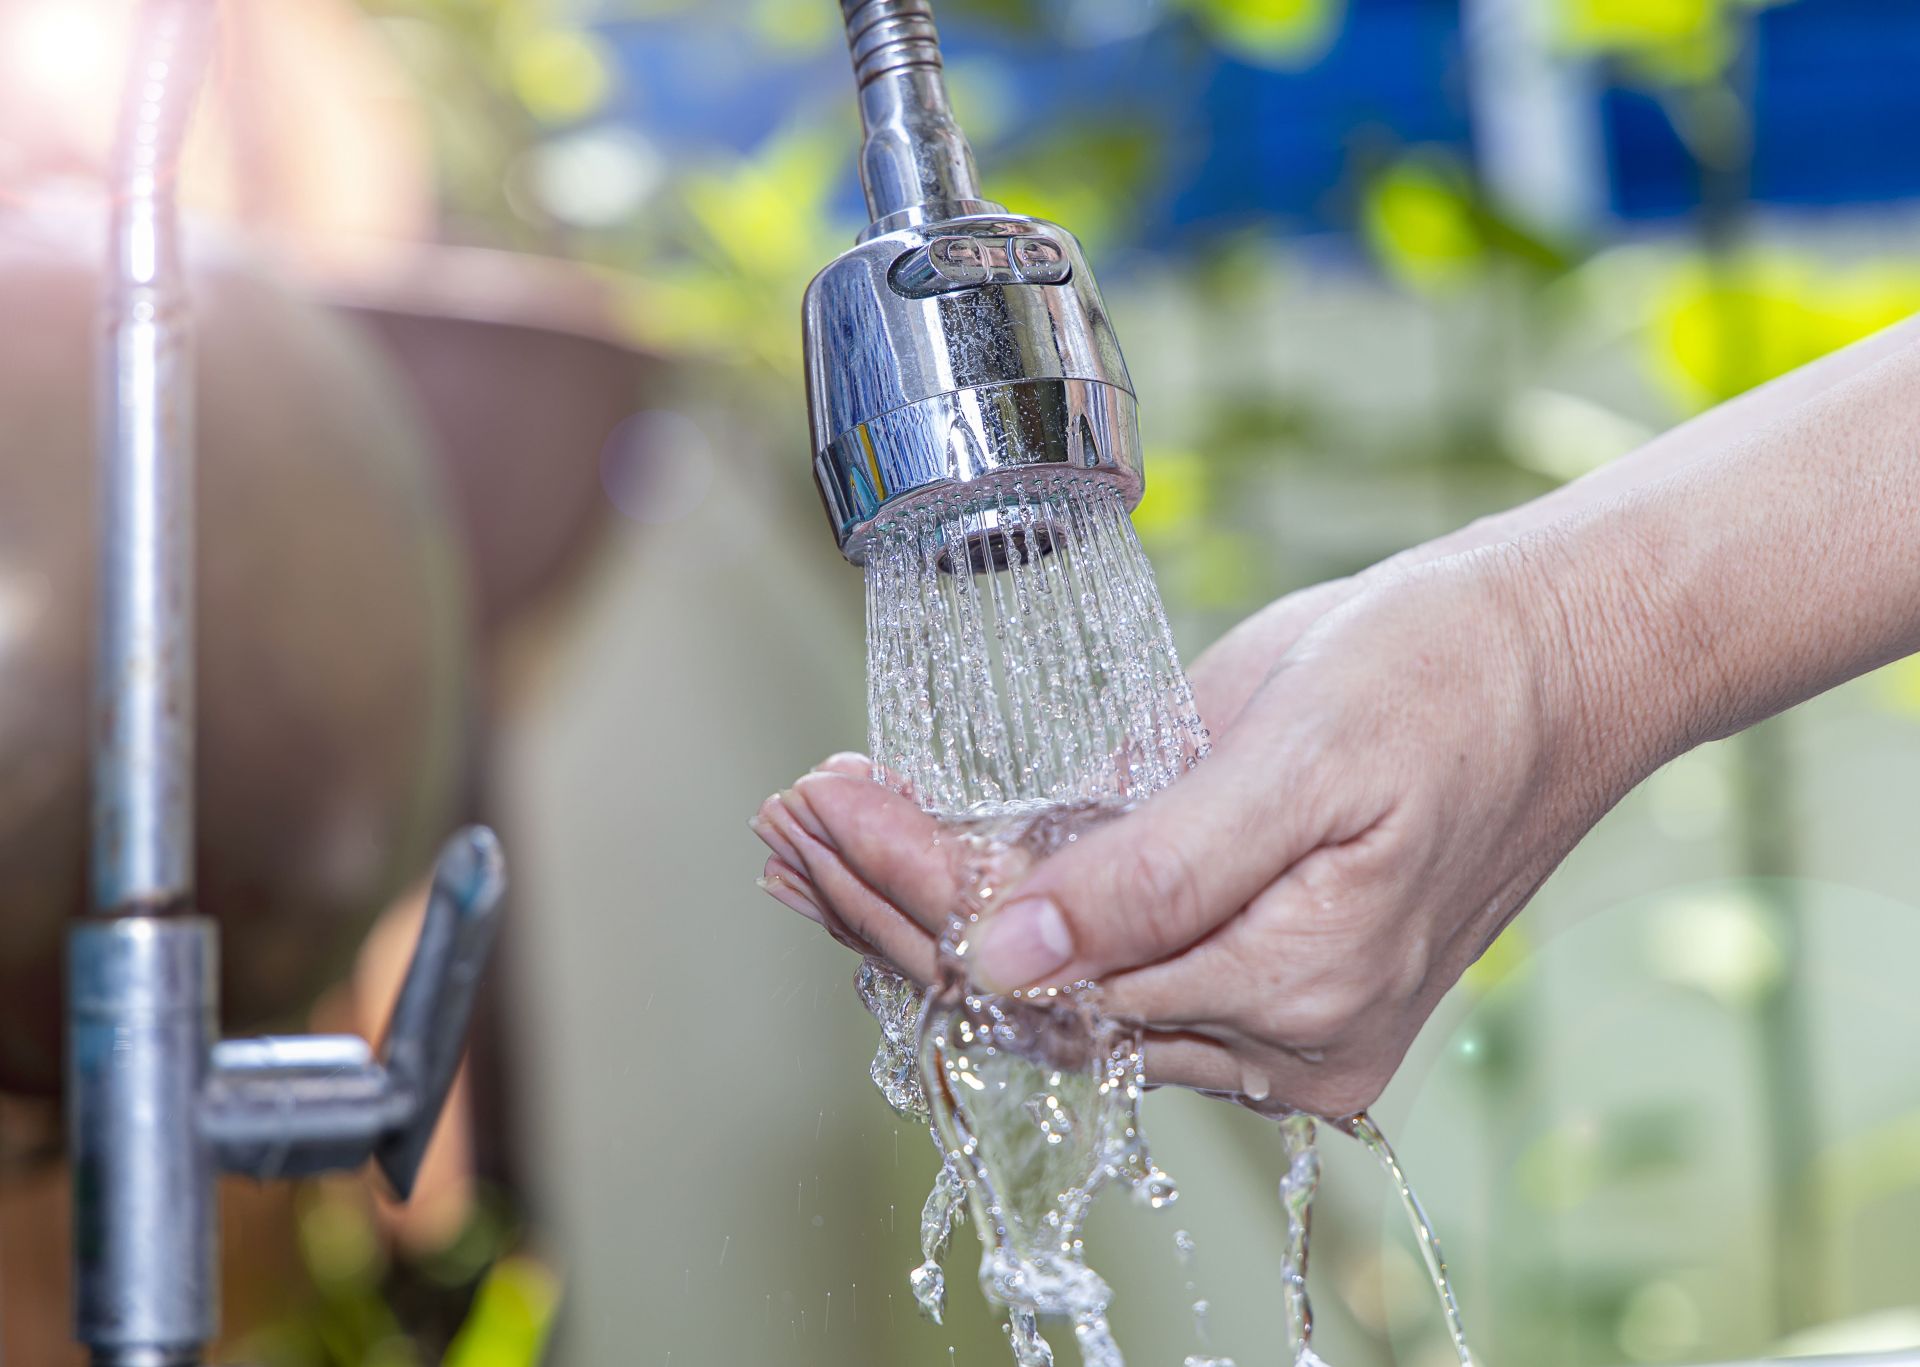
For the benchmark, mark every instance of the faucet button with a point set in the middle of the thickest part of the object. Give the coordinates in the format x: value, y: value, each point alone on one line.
x: 960, y: 261
x: 1039, y: 261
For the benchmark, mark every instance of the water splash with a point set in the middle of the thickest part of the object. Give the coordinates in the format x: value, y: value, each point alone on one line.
x: 1034, y: 1103
x: 937, y: 1219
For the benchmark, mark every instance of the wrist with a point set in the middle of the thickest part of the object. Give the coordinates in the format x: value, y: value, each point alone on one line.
x: 1598, y: 653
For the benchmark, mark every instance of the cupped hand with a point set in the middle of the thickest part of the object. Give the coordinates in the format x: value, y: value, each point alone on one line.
x: 1398, y: 764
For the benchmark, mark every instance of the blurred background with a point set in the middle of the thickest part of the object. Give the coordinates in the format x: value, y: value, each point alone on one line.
x: 506, y: 512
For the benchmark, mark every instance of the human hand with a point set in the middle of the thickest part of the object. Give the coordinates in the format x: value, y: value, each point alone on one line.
x: 1223, y: 678
x: 1386, y: 791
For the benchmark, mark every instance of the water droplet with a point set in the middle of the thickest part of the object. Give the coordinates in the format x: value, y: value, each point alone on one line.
x: 1256, y: 1085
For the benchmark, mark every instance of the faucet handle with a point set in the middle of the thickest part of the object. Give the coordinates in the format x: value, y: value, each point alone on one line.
x: 286, y: 1107
x: 427, y: 1031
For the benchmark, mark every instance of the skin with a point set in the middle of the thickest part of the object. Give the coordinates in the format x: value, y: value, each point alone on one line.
x: 1402, y: 758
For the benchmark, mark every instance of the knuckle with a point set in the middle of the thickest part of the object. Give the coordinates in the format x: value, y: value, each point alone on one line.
x: 1159, y: 889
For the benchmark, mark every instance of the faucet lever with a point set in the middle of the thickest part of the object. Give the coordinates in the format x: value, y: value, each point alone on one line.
x: 427, y: 1032
x: 293, y: 1106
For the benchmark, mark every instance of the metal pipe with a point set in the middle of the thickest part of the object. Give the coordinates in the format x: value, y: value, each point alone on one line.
x: 143, y: 702
x: 142, y: 976
x: 155, y: 1107
x: 916, y: 164
x: 140, y: 998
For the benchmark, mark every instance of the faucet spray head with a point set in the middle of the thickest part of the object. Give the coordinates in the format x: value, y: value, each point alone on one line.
x: 957, y: 349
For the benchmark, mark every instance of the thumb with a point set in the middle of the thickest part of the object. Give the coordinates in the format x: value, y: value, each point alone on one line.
x: 1148, y: 884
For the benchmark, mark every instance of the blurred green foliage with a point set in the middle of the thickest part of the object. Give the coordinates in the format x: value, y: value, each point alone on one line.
x: 1665, y: 42
x: 1723, y: 326
x: 1280, y: 33
x: 750, y: 236
x: 479, y: 1301
x: 512, y: 1317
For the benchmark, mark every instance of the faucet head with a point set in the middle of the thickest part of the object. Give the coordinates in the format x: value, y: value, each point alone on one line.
x: 961, y: 356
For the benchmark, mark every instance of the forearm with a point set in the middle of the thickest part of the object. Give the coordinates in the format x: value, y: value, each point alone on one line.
x: 1746, y: 580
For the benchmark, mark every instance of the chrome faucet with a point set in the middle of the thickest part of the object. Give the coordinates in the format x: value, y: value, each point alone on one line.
x: 157, y: 1106
x: 957, y: 348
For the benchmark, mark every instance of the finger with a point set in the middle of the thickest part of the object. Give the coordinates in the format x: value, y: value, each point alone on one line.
x: 1190, y: 989
x: 1271, y: 1082
x: 764, y: 823
x: 1175, y: 1060
x: 853, y: 764
x: 889, y: 843
x: 794, y: 890
x: 776, y: 827
x: 1152, y: 882
x: 847, y: 763
x: 870, y: 916
x: 787, y: 886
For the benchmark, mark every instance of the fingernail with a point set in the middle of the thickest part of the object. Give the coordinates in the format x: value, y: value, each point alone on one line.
x: 795, y: 800
x: 790, y: 897
x: 1021, y: 944
x: 773, y: 840
x: 793, y: 878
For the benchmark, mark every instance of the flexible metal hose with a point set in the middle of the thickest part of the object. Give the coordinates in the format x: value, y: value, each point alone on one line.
x: 916, y: 165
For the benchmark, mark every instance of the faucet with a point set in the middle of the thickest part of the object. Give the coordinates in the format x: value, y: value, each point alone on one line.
x: 157, y: 1106
x: 956, y: 349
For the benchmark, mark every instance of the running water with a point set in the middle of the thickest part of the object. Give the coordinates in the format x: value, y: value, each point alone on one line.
x: 1018, y: 655
x: 1023, y: 685
x: 1033, y: 1101
x: 1361, y: 1127
x: 1298, y: 1185
x: 1297, y: 1189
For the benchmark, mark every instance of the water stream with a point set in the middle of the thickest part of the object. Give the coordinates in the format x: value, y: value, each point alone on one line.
x: 1033, y: 1102
x: 1361, y: 1127
x: 1023, y: 685
x: 1298, y: 1186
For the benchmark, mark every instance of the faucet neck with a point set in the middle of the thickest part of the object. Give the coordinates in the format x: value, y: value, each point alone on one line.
x: 916, y: 164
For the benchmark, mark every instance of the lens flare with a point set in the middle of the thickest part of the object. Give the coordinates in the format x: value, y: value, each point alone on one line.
x: 62, y: 61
